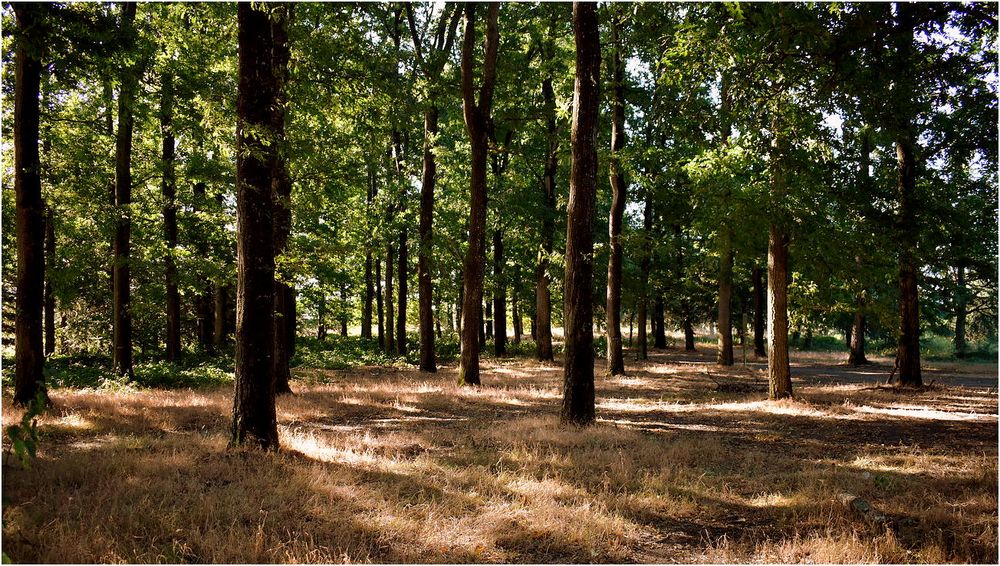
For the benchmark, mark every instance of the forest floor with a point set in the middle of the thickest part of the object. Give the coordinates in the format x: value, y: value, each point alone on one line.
x: 688, y: 462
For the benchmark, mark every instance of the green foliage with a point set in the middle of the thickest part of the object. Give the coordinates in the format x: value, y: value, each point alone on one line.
x: 23, y: 436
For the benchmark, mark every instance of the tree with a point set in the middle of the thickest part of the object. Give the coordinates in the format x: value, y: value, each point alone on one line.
x: 578, y: 370
x: 29, y: 357
x: 619, y: 189
x: 254, y: 416
x: 431, y: 68
x: 281, y: 190
x: 122, y: 314
x: 477, y: 119
x: 543, y: 295
x: 169, y: 189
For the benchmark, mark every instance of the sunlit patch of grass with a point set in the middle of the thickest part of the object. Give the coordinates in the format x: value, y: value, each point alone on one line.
x: 391, y: 465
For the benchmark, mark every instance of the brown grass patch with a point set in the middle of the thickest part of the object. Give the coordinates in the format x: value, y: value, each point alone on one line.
x: 398, y: 466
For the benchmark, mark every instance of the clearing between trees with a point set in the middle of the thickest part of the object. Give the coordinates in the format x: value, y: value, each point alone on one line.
x: 687, y: 462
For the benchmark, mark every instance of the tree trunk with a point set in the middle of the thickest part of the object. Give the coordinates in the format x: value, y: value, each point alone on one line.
x: 578, y: 372
x: 499, y: 297
x: 488, y: 320
x: 254, y: 418
x: 169, y: 189
x: 321, y: 318
x: 50, y: 267
x: 477, y: 121
x: 961, y: 311
x: 281, y: 191
x: 425, y: 286
x: 688, y: 333
x: 644, y: 266
x: 343, y: 309
x: 122, y: 310
x: 619, y: 190
x: 857, y: 333
x: 515, y: 313
x: 778, y: 369
x: 403, y: 293
x: 219, y: 330
x: 908, y: 351
x: 29, y: 357
x: 378, y: 303
x: 725, y: 353
x: 366, y: 305
x: 759, y: 301
x: 659, y: 331
x: 390, y: 306
x: 542, y: 333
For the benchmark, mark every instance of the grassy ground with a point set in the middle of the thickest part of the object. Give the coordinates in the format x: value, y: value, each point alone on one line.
x: 688, y: 462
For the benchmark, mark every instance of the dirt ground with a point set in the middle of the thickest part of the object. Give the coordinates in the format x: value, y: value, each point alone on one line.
x: 688, y: 463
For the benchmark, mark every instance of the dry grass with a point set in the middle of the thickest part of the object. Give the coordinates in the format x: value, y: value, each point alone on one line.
x: 396, y: 466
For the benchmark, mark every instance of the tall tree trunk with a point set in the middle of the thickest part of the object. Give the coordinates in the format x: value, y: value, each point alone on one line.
x: 50, y: 267
x: 908, y: 351
x: 578, y: 372
x: 219, y: 330
x: 542, y: 333
x: 515, y: 313
x: 378, y: 303
x: 203, y: 300
x: 343, y: 309
x: 437, y: 314
x: 29, y: 357
x: 477, y: 120
x: 619, y: 189
x: 321, y: 317
x: 401, y: 346
x: 857, y: 332
x: 725, y: 352
x: 499, y: 297
x: 169, y: 189
x: 390, y: 306
x: 281, y: 191
x: 366, y: 304
x: 659, y: 331
x: 425, y: 286
x: 254, y: 417
x: 644, y: 266
x: 759, y: 301
x: 122, y: 309
x: 688, y: 332
x: 961, y: 311
x: 778, y: 369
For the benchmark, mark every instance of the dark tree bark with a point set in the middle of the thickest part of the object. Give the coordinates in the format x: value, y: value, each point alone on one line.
x: 254, y: 418
x: 542, y: 321
x: 759, y: 302
x: 403, y: 293
x: 321, y: 318
x: 688, y: 333
x: 857, y: 332
x: 390, y: 306
x: 378, y: 302
x: 644, y: 266
x: 219, y: 328
x: 169, y: 190
x: 908, y: 350
x: 619, y: 189
x: 477, y: 120
x: 659, y: 330
x: 778, y: 369
x: 578, y: 372
x: 499, y: 297
x: 281, y: 191
x: 29, y: 357
x: 121, y: 305
x: 50, y: 267
x: 343, y: 309
x: 725, y: 349
x: 203, y: 300
x: 366, y: 304
x: 431, y: 66
x: 488, y: 320
x: 515, y: 313
x: 961, y: 311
